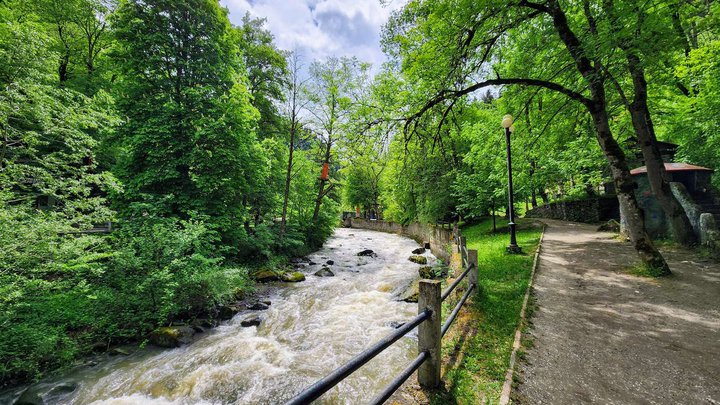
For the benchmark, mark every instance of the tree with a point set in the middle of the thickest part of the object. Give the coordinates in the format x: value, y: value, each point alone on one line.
x: 295, y: 104
x: 267, y: 72
x: 80, y: 28
x: 330, y: 92
x: 632, y: 39
x: 189, y: 128
x: 471, y: 47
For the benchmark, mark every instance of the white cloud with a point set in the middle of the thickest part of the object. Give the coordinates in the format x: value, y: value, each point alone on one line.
x: 321, y: 28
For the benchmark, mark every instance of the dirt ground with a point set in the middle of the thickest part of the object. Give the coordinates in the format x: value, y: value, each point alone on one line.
x: 602, y: 336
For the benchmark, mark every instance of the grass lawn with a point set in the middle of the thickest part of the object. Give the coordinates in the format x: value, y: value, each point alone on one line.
x: 477, y: 348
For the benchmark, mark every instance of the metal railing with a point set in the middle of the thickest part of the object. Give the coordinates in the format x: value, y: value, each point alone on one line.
x: 430, y: 332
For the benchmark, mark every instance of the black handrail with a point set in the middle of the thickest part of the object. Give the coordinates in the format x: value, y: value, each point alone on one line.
x: 457, y: 281
x: 455, y: 311
x: 399, y: 380
x: 324, y: 385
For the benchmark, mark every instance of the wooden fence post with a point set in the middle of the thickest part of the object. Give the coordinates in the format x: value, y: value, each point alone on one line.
x: 474, y: 273
x: 462, y: 248
x: 429, y: 333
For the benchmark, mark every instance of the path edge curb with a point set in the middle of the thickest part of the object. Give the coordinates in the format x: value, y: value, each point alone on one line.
x: 507, y: 386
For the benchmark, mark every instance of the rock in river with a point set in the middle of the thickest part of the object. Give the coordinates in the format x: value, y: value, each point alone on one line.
x: 368, y: 253
x: 252, y: 320
x: 418, y: 259
x: 426, y: 272
x: 225, y: 312
x: 329, y: 262
x: 41, y: 394
x: 419, y: 251
x: 325, y: 272
x: 171, y: 336
x: 264, y: 276
x: 293, y: 277
x: 259, y: 306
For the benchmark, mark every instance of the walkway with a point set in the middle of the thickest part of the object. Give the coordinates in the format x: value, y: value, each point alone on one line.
x: 604, y: 337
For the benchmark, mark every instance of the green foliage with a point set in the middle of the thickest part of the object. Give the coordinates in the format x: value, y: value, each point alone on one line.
x: 48, y: 302
x: 165, y: 269
x: 267, y: 74
x: 696, y: 124
x: 197, y: 192
x: 189, y: 129
x: 492, y: 317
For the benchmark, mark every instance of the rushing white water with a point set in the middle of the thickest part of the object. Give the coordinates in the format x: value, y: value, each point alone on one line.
x: 310, y: 329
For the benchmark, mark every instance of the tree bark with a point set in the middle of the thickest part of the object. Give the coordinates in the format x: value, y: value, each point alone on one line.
x: 624, y: 184
x: 625, y: 187
x: 682, y: 230
x: 288, y: 178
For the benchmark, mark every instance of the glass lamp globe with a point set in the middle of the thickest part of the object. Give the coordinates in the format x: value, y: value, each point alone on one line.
x: 507, y: 121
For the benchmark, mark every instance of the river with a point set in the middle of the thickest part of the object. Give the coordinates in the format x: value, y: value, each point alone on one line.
x: 311, y: 328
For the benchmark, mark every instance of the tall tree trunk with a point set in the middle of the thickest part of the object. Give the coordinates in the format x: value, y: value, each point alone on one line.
x: 624, y: 184
x: 533, y: 189
x: 288, y: 178
x: 681, y: 228
x: 625, y: 187
x: 543, y: 195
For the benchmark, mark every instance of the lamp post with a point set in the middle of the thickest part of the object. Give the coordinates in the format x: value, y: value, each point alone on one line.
x: 513, y: 248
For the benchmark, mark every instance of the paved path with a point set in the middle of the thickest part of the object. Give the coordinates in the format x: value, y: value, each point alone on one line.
x: 605, y: 337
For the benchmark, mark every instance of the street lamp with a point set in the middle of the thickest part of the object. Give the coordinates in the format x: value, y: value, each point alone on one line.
x: 513, y: 248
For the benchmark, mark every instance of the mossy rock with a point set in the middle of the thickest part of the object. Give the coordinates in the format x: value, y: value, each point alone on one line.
x: 427, y: 272
x: 171, y: 336
x: 293, y: 277
x: 418, y: 259
x: 265, y: 276
x: 411, y: 293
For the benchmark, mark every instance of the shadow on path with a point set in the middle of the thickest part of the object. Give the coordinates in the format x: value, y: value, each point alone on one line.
x: 603, y: 336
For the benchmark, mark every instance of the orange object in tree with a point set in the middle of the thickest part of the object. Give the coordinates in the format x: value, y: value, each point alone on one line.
x: 325, y: 169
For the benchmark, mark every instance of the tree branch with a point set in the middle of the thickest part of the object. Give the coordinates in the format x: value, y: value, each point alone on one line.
x: 445, y: 95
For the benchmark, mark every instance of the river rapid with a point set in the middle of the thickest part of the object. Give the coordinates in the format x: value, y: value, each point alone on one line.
x: 311, y: 328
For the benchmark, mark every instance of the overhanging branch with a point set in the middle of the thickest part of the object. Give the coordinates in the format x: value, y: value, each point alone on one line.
x: 445, y: 95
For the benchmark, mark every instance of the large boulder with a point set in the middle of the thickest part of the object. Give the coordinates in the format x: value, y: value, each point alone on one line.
x: 292, y: 277
x: 225, y: 312
x: 171, y: 336
x: 418, y: 259
x: 325, y: 272
x: 265, y: 276
x: 707, y: 228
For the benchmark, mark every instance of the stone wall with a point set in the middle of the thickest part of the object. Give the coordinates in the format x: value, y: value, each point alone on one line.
x: 441, y: 240
x: 591, y: 210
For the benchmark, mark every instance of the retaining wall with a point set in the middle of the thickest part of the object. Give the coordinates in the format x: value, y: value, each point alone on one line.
x: 591, y: 210
x: 440, y: 239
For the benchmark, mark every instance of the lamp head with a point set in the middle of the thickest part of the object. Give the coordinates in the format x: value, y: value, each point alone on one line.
x: 512, y: 129
x: 507, y: 121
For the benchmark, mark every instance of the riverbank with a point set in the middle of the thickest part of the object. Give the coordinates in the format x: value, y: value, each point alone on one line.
x: 477, y: 349
x: 309, y: 328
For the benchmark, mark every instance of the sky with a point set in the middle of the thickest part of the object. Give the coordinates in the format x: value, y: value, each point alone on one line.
x: 321, y: 28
